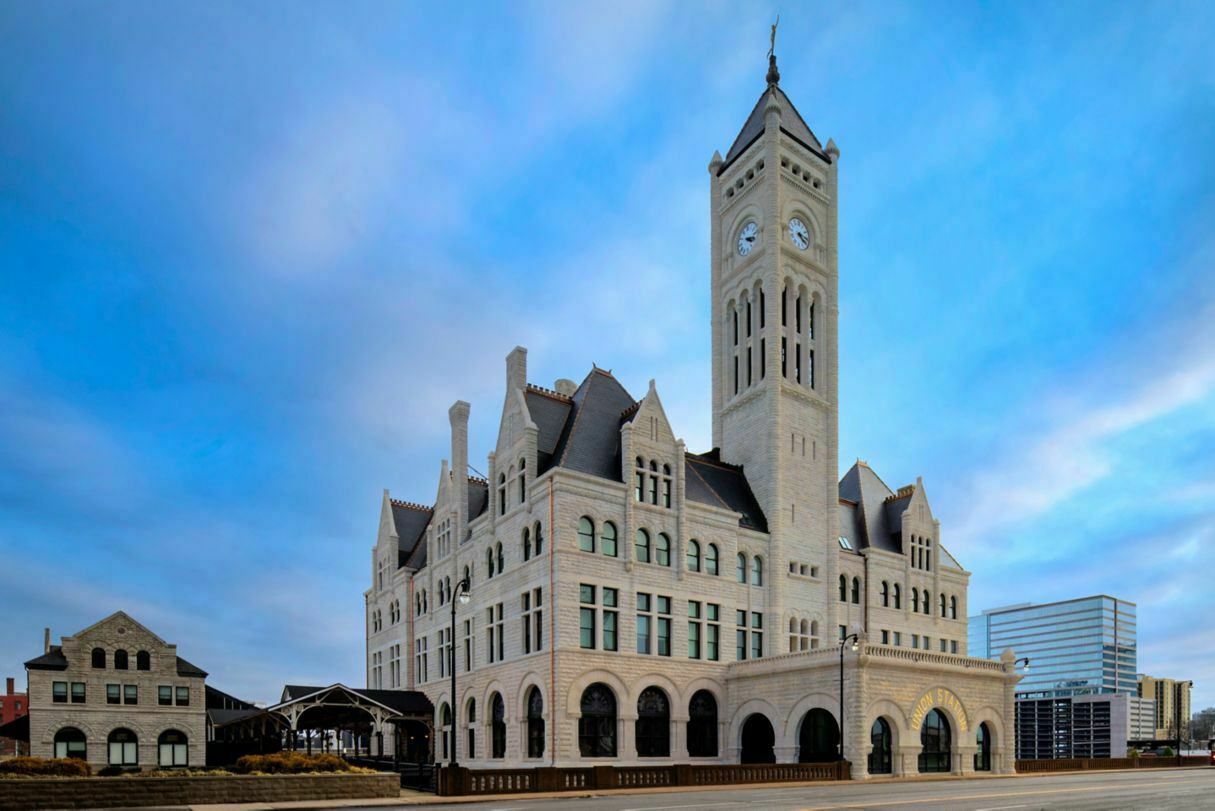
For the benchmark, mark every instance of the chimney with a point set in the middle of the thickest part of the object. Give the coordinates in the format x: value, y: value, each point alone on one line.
x: 46, y: 640
x: 458, y: 415
x: 516, y: 370
x: 8, y: 686
x: 565, y: 386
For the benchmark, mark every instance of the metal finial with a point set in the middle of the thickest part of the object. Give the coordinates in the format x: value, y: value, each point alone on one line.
x: 773, y: 73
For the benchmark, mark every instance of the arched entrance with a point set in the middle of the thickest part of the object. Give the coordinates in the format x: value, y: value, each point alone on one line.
x: 935, y: 743
x: 758, y: 740
x: 880, y: 756
x: 819, y: 738
x: 983, y: 748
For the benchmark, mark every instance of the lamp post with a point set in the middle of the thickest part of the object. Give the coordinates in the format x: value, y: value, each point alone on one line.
x: 460, y: 597
x: 855, y: 639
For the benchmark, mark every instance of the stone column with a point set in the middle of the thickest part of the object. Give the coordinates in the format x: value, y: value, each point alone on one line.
x: 906, y: 760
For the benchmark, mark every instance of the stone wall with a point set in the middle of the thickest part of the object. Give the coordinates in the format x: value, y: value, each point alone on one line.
x: 111, y: 792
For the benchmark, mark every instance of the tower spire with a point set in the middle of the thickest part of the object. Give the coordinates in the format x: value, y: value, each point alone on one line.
x: 773, y: 73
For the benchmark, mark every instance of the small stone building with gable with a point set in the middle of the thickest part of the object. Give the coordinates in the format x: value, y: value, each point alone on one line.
x: 116, y: 694
x: 633, y: 602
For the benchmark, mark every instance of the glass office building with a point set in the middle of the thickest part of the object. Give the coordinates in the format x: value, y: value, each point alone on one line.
x: 1075, y: 647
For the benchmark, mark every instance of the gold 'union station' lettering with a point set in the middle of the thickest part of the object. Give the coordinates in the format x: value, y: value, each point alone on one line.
x: 940, y: 697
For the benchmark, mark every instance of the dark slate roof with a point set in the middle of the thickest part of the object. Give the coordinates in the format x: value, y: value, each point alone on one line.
x: 221, y: 717
x: 411, y: 521
x: 550, y: 411
x: 51, y: 660
x: 406, y: 702
x: 711, y: 481
x: 478, y: 497
x: 590, y: 439
x: 850, y: 523
x: 791, y: 123
x: 861, y: 485
x: 184, y: 668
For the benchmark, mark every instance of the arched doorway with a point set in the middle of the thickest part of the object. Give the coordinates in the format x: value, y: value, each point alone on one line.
x: 758, y: 740
x: 702, y: 725
x: 653, y: 728
x: 535, y: 723
x: 983, y: 748
x: 819, y: 738
x: 935, y: 743
x: 597, y: 724
x: 881, y: 755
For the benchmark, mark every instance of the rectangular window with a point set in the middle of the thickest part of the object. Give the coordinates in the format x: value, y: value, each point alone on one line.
x: 915, y: 640
x: 713, y: 629
x: 953, y: 646
x: 664, y: 626
x: 641, y: 487
x: 164, y: 695
x: 645, y: 620
x: 586, y: 616
x: 810, y: 371
x: 468, y: 646
x: 843, y: 632
x: 77, y: 692
x: 130, y: 694
x: 113, y: 694
x: 942, y: 645
x: 496, y: 642
x: 653, y: 489
x: 740, y: 635
x: 736, y: 374
x: 749, y: 375
x: 797, y: 361
x: 666, y: 493
x: 885, y: 637
x: 694, y: 627
x: 757, y: 635
x: 898, y: 639
x: 183, y: 696
x: 610, y: 618
x: 533, y: 622
x: 763, y: 357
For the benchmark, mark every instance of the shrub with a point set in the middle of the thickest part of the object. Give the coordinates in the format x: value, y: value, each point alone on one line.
x: 115, y: 771
x: 290, y: 763
x: 1167, y: 752
x: 44, y: 767
x: 1133, y: 754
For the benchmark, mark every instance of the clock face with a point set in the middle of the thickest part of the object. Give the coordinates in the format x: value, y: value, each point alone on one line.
x: 799, y: 234
x: 747, y: 237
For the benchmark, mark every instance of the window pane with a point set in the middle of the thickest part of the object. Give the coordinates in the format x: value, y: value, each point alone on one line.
x: 609, y: 630
x: 643, y: 634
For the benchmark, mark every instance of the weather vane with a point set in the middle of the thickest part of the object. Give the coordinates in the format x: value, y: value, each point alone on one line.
x: 772, y: 41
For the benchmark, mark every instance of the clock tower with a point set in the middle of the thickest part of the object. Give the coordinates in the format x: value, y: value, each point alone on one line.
x: 775, y: 284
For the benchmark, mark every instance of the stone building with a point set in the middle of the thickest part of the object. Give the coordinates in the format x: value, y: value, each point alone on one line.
x: 116, y: 694
x: 634, y: 602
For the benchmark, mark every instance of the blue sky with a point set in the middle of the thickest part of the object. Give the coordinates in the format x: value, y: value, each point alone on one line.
x: 250, y: 253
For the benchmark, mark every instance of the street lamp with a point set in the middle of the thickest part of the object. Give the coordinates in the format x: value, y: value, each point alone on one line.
x: 856, y: 645
x: 460, y: 597
x: 1024, y: 659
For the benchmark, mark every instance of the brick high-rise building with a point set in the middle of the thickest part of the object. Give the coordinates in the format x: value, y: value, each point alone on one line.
x: 13, y: 705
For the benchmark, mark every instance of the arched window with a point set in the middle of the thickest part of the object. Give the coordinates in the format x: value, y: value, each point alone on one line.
x: 444, y: 731
x: 586, y: 534
x: 741, y: 568
x: 70, y: 742
x: 799, y: 635
x: 934, y: 743
x: 417, y: 604
x: 662, y: 550
x: 653, y: 482
x: 535, y: 723
x: 653, y: 723
x: 885, y: 594
x: 953, y: 608
x: 522, y: 480
x: 498, y: 726
x: 702, y: 725
x: 538, y: 535
x: 711, y: 559
x: 120, y: 660
x: 642, y: 547
x: 597, y: 723
x: 983, y: 748
x: 915, y: 600
x: 942, y: 601
x: 99, y: 658
x: 489, y: 562
x: 174, y: 750
x: 856, y: 590
x: 123, y: 748
x: 501, y: 559
x: 843, y: 589
x: 927, y: 602
x: 693, y: 556
x: 527, y: 544
x: 607, y: 539
x: 898, y: 596
x: 467, y: 574
x: 818, y: 738
x: 881, y: 755
x: 666, y: 485
x: 471, y: 715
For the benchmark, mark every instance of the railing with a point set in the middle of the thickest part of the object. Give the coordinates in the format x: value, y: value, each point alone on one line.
x: 461, y: 781
x: 1092, y: 764
x: 830, y: 655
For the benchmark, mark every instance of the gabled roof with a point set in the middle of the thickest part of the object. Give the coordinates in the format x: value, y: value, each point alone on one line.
x: 791, y: 123
x: 405, y: 702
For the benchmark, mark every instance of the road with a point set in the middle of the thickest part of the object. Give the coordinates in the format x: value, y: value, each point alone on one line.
x: 1154, y: 790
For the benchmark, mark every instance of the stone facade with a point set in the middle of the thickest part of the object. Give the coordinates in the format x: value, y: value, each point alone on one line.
x: 629, y: 521
x: 68, y: 690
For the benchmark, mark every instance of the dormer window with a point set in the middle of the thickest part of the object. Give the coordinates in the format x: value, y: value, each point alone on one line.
x: 845, y: 543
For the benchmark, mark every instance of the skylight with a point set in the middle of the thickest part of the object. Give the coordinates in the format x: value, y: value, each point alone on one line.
x: 845, y: 543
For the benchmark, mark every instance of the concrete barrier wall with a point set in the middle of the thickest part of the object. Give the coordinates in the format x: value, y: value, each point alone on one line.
x: 111, y: 792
